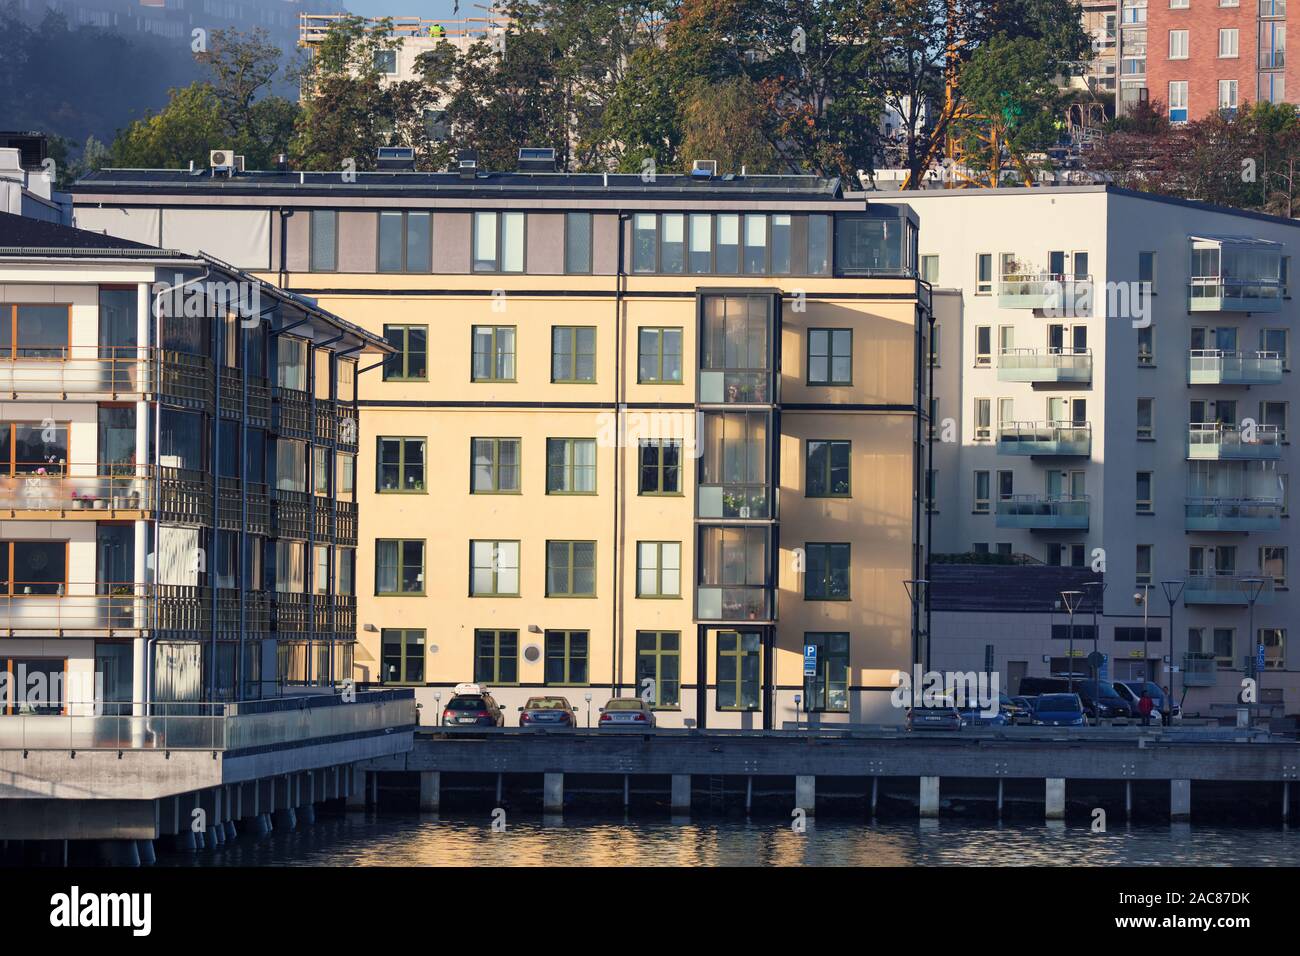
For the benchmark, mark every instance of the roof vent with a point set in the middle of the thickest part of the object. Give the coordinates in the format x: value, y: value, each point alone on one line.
x: 282, y: 162
x: 704, y: 169
x: 400, y: 158
x: 467, y: 163
x: 536, y: 159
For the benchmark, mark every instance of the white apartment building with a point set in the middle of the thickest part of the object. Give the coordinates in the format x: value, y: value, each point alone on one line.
x: 1113, y: 389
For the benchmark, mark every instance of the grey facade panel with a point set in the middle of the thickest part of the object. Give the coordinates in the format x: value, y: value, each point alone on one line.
x: 358, y: 238
x: 604, y: 244
x: 451, y: 242
x: 298, y: 241
x: 545, y: 243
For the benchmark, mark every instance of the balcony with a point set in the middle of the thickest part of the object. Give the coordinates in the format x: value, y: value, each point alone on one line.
x: 345, y: 524
x: 289, y: 612
x: 327, y: 421
x: 347, y: 429
x: 107, y: 490
x: 106, y: 373
x: 733, y: 603
x: 1217, y: 367
x: 1214, y: 441
x: 734, y: 387
x: 291, y: 413
x: 1199, y: 670
x: 1064, y: 295
x: 1235, y: 274
x: 1225, y: 588
x: 1043, y: 513
x: 103, y: 609
x: 1241, y: 515
x: 739, y: 501
x: 1045, y: 365
x: 1045, y: 438
x: 292, y: 514
x: 233, y: 496
x: 232, y: 398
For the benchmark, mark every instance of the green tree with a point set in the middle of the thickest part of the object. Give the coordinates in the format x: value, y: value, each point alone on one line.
x: 181, y: 132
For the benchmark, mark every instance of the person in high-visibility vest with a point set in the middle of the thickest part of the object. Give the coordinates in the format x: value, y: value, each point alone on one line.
x: 437, y: 30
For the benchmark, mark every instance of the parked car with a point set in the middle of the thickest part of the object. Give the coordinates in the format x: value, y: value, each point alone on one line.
x: 940, y: 717
x: 629, y: 712
x: 1131, y: 691
x: 1102, y: 702
x: 1059, y: 710
x: 1018, y: 710
x: 547, y: 712
x: 1036, y: 686
x: 978, y: 717
x: 472, y: 706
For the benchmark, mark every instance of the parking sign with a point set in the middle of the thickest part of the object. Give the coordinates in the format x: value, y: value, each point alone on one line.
x: 810, y: 660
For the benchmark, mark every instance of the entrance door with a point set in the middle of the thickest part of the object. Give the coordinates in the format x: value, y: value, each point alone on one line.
x: 1015, y: 671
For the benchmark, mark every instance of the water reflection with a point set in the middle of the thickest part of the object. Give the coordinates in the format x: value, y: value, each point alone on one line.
x: 396, y: 840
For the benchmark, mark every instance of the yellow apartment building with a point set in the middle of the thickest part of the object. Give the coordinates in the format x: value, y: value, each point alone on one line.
x: 651, y: 438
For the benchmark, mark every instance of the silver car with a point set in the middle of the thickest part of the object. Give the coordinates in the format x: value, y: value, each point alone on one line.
x: 631, y: 713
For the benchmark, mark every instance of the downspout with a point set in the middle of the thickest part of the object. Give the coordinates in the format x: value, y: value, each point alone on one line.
x: 929, y: 518
x: 616, y: 665
x: 218, y: 356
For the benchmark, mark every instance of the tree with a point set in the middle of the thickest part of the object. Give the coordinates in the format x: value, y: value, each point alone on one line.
x: 724, y: 121
x: 182, y: 132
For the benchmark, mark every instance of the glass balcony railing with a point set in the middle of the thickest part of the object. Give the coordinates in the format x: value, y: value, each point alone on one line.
x: 1220, y: 367
x: 1054, y: 293
x: 1215, y: 441
x: 1199, y: 670
x: 1229, y: 294
x: 1233, y: 514
x: 739, y: 501
x: 1045, y: 365
x: 1045, y: 438
x: 1226, y: 587
x: 736, y: 387
x: 733, y: 603
x: 1043, y: 512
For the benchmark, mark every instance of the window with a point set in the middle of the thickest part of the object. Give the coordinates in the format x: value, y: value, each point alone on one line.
x: 1147, y: 269
x: 659, y: 355
x: 573, y: 353
x: 410, y: 363
x: 1274, y: 341
x: 931, y: 489
x: 1144, y: 500
x: 1146, y: 419
x: 386, y: 62
x: 495, y: 466
x: 1177, y: 91
x: 291, y: 364
x: 672, y: 243
x: 658, y: 662
x: 1274, y: 414
x: 1146, y: 342
x: 1142, y: 567
x: 41, y: 331
x: 819, y: 243
x: 700, y: 251
x: 323, y: 256
x: 1227, y: 94
x: 570, y: 466
x: 577, y: 243
x: 496, y: 657
x: 1177, y: 44
x: 828, y: 689
x: 498, y: 242
x: 983, y: 419
x: 1179, y: 4
x: 658, y: 569
x: 571, y: 569
x: 401, y: 465
x: 494, y: 569
x: 1274, y: 641
x: 1228, y: 43
x: 645, y: 242
x: 827, y: 575
x: 291, y: 465
x: 320, y: 469
x: 830, y: 356
x: 739, y: 667
x: 934, y: 345
x: 403, y: 652
x: 983, y: 345
x: 661, y: 469
x: 1272, y: 563
x: 33, y: 449
x: 346, y: 468
x: 320, y: 578
x: 399, y: 566
x: 289, y: 571
x: 981, y: 493
x: 728, y: 243
x: 1006, y: 485
x: 828, y: 469
x: 984, y: 273
x: 405, y: 241
x: 494, y: 354
x: 755, y: 256
x: 1225, y: 639
x: 33, y: 567
x: 930, y: 268
x: 566, y: 657
x: 780, y: 255
x: 1272, y: 8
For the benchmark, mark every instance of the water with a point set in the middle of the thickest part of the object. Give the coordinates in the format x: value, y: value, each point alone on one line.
x: 424, y: 840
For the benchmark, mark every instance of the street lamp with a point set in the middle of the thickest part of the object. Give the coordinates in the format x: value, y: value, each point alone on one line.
x: 1253, y: 587
x: 1173, y: 591
x: 916, y: 594
x: 1071, y: 600
x: 1141, y: 599
x: 437, y: 702
x: 587, y: 697
x: 1097, y: 591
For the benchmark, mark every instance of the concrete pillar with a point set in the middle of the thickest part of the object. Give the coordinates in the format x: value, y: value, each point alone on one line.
x: 1000, y: 798
x: 430, y: 790
x: 749, y: 793
x: 499, y: 783
x: 627, y: 793
x: 1180, y: 800
x: 119, y: 852
x: 184, y: 841
x: 875, y: 792
x: 929, y: 796
x: 139, y: 670
x: 145, y: 850
x: 1286, y: 801
x: 231, y: 832
x: 1056, y: 798
x: 553, y: 793
x: 805, y: 794
x: 681, y: 793
x: 264, y: 824
x: 285, y: 818
x: 307, y: 814
x: 1128, y: 800
x: 356, y: 789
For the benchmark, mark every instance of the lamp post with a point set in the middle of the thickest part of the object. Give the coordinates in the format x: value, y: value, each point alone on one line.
x: 1071, y: 600
x: 437, y: 702
x: 1253, y: 587
x: 587, y: 697
x: 916, y: 594
x: 1097, y: 591
x: 1173, y: 591
x: 1141, y: 599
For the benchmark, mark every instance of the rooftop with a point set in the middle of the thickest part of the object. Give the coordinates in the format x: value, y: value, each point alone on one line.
x: 22, y: 234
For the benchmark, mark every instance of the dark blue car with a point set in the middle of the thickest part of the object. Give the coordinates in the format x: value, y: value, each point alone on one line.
x: 1059, y: 710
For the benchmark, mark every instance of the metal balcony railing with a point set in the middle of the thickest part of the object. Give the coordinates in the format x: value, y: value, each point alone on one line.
x: 736, y: 387
x: 1226, y: 587
x: 37, y: 608
x: 108, y: 371
x: 291, y: 412
x: 1199, y: 670
x: 1045, y: 438
x: 1235, y: 294
x: 1233, y: 514
x: 289, y: 612
x: 327, y: 421
x: 98, y: 490
x: 233, y: 494
x: 292, y: 510
x: 1043, y: 512
x: 345, y: 523
x: 1220, y: 367
x: 1216, y: 440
